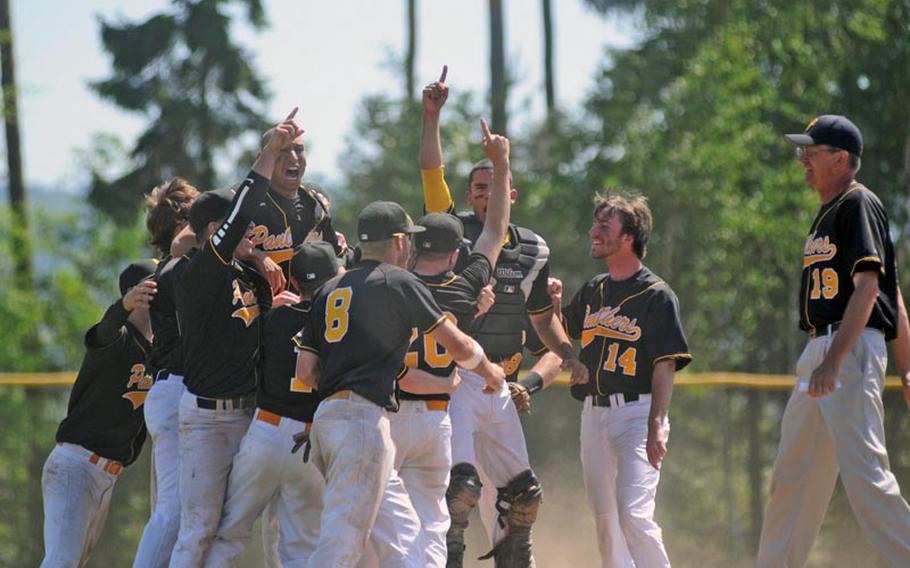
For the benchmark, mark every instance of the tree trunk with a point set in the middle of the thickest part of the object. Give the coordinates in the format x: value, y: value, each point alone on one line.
x: 498, y: 79
x: 548, y: 56
x: 411, y: 54
x: 20, y: 230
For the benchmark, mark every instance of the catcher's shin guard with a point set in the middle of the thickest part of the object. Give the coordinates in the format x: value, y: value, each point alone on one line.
x: 517, y: 504
x: 461, y: 496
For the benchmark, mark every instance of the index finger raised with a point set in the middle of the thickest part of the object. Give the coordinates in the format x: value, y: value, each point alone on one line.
x: 292, y: 114
x: 445, y: 71
x: 486, y: 128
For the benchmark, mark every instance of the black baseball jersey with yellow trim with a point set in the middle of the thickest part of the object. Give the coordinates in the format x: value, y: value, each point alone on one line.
x: 457, y: 295
x: 520, y: 284
x: 625, y: 329
x: 280, y: 392
x: 280, y: 224
x: 360, y: 326
x: 167, y: 350
x: 104, y: 413
x: 850, y: 234
x: 218, y: 308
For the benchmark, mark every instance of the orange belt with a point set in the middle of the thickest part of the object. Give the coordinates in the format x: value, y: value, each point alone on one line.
x: 268, y: 417
x: 442, y: 405
x: 339, y: 394
x: 110, y: 466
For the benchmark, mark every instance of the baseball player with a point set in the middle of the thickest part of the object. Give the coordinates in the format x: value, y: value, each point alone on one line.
x: 850, y: 306
x: 219, y: 306
x: 421, y: 429
x: 168, y: 212
x: 488, y: 446
x: 264, y: 469
x: 632, y: 343
x: 103, y: 430
x: 352, y: 351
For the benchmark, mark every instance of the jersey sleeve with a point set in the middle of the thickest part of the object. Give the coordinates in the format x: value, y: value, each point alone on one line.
x: 201, y: 272
x: 862, y: 228
x: 436, y: 195
x: 110, y: 329
x: 306, y: 339
x: 477, y: 272
x: 666, y: 339
x: 539, y: 300
x: 417, y: 302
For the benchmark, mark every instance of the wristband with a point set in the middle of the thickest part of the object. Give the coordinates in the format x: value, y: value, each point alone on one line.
x: 532, y: 381
x: 474, y: 360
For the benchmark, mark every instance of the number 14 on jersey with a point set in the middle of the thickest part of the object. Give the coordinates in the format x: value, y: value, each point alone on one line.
x: 626, y: 361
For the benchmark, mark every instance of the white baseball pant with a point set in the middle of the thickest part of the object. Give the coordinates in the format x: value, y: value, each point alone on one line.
x: 621, y: 484
x: 487, y: 433
x: 840, y: 432
x: 423, y: 460
x: 209, y: 439
x: 77, y: 496
x: 161, y: 419
x: 266, y: 472
x: 352, y: 447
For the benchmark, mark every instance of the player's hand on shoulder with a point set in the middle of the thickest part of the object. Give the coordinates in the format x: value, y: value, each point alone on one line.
x: 436, y: 93
x: 283, y: 134
x: 495, y: 147
x: 140, y: 295
x: 485, y: 300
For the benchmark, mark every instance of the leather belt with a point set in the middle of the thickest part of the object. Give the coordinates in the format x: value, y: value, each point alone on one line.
x: 437, y: 405
x: 225, y: 403
x: 616, y: 399
x: 824, y: 330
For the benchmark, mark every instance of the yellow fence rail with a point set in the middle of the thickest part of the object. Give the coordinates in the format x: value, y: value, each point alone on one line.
x: 740, y: 380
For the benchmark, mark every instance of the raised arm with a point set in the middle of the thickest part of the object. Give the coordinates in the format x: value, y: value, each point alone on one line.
x: 468, y: 354
x: 436, y: 194
x: 489, y: 243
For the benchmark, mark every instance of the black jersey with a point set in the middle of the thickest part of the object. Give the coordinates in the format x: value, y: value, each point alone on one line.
x: 625, y: 329
x: 167, y: 351
x: 218, y: 308
x: 280, y: 224
x: 457, y: 295
x: 104, y: 413
x: 360, y: 326
x: 520, y: 284
x: 850, y: 234
x: 280, y: 392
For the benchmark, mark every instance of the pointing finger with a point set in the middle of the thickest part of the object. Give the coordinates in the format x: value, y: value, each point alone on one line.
x: 486, y: 129
x: 445, y: 71
x: 293, y: 114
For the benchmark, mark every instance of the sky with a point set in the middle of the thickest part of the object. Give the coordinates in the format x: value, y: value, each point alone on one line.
x: 324, y: 56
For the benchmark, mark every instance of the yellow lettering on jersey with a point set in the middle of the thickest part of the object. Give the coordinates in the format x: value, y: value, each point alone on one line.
x: 626, y: 362
x: 249, y: 308
x: 336, y: 314
x: 434, y: 354
x: 824, y: 284
x: 606, y: 322
x: 818, y: 250
x: 511, y: 364
x: 410, y: 358
x: 142, y: 381
x: 261, y: 238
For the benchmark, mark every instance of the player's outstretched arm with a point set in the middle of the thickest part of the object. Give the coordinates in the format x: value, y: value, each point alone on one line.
x: 496, y: 148
x: 308, y: 368
x: 549, y: 327
x: 416, y: 381
x: 468, y: 354
x: 436, y: 194
x: 661, y: 392
x: 902, y: 346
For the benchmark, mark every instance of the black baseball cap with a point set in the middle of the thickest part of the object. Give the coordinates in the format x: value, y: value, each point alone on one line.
x: 314, y: 261
x: 444, y: 233
x: 209, y: 207
x: 383, y: 220
x: 136, y: 273
x: 832, y: 130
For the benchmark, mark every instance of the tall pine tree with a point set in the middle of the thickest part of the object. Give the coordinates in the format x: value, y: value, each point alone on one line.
x: 182, y: 70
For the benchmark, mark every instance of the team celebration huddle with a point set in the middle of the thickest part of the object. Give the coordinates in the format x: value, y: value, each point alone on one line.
x: 364, y: 400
